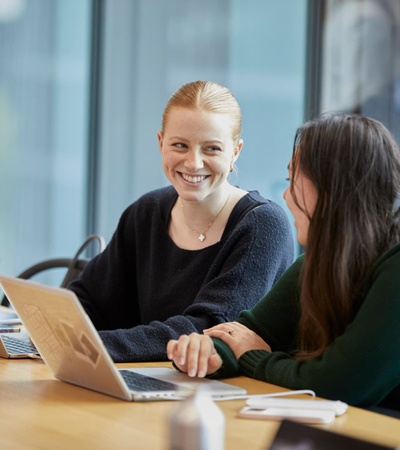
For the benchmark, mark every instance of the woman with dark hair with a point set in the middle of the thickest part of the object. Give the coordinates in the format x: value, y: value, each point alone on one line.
x: 331, y: 323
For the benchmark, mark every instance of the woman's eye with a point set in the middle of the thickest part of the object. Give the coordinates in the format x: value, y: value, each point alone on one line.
x: 179, y: 145
x: 214, y: 148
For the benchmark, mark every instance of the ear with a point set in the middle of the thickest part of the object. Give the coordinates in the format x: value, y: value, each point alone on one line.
x: 160, y: 140
x: 237, y: 150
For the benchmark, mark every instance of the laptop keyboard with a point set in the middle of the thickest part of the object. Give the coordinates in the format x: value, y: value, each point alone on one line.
x: 17, y: 346
x: 142, y: 383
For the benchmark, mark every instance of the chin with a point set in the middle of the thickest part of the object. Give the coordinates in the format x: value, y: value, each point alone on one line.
x: 301, y: 240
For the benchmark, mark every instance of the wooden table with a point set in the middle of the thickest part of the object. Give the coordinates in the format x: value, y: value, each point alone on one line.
x: 40, y: 412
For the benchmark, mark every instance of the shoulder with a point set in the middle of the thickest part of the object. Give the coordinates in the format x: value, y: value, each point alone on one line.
x: 383, y: 281
x: 266, y: 213
x: 155, y: 203
x: 261, y: 222
x: 262, y: 226
x: 155, y: 197
x: 293, y: 273
x: 388, y: 262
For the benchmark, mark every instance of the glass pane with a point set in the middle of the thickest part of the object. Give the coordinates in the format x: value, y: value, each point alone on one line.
x: 43, y: 126
x: 255, y: 47
x: 361, y: 59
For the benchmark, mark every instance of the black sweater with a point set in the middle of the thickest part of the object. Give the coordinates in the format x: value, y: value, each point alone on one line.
x: 144, y: 290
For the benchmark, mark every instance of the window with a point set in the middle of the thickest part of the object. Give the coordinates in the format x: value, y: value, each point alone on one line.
x: 361, y: 59
x: 255, y: 48
x: 56, y: 165
x: 43, y: 129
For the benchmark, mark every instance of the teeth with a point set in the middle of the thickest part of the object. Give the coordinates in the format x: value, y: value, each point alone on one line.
x: 195, y: 179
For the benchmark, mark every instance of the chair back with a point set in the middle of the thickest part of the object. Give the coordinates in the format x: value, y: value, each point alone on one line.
x: 73, y: 266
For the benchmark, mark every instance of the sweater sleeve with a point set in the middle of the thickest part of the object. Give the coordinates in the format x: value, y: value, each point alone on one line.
x: 274, y: 318
x: 362, y: 366
x: 106, y: 287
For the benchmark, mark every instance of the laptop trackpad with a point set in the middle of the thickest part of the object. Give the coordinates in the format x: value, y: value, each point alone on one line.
x: 218, y: 388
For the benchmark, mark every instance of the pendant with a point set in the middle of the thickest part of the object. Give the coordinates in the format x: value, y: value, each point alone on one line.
x: 201, y: 237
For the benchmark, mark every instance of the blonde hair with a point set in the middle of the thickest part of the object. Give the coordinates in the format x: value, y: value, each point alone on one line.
x: 208, y: 96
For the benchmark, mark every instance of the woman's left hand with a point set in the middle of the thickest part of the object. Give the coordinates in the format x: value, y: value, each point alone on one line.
x: 239, y: 338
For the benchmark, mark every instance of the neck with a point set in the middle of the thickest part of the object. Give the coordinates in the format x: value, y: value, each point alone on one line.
x: 199, y: 220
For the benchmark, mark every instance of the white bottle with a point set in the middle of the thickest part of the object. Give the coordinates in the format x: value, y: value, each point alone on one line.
x: 197, y: 423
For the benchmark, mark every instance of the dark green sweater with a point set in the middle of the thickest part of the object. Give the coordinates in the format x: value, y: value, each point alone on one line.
x: 362, y: 366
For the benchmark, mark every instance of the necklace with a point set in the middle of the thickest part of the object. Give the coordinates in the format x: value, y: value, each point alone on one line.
x: 202, y: 235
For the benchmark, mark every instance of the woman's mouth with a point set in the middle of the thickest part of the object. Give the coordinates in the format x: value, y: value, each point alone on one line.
x: 193, y: 178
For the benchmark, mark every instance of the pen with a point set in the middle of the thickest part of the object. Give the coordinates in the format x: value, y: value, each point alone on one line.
x: 10, y: 330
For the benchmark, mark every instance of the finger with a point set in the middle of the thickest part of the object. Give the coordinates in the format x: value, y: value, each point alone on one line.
x: 206, y: 351
x: 214, y: 363
x: 226, y: 328
x: 180, y: 350
x: 238, y: 326
x: 172, y: 343
x: 172, y: 353
x: 233, y: 341
x: 192, y: 354
x: 220, y: 326
x: 224, y: 335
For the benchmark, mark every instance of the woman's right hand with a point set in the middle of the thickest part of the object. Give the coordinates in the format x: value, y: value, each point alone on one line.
x: 194, y: 354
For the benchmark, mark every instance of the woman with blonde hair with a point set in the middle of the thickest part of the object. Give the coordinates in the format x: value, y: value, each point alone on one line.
x: 193, y: 254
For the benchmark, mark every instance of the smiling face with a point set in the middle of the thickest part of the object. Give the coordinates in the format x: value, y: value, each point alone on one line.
x: 197, y: 151
x: 301, y: 203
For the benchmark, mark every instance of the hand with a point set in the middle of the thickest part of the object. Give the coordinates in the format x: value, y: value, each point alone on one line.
x: 194, y: 354
x: 239, y: 338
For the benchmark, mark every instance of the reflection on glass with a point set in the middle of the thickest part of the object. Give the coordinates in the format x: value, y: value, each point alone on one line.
x: 361, y: 59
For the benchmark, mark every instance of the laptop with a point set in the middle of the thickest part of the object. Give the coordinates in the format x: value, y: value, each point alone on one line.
x: 13, y: 343
x: 74, y: 353
x: 17, y: 347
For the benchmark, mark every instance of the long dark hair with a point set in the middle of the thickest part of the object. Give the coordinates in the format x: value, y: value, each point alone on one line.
x: 354, y: 163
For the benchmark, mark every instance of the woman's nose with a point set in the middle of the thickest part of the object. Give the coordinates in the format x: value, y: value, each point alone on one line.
x: 194, y: 160
x: 284, y: 193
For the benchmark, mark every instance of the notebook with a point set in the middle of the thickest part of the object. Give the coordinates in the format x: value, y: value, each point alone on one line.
x: 74, y: 352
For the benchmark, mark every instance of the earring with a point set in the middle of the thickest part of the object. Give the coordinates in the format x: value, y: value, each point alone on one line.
x: 231, y: 167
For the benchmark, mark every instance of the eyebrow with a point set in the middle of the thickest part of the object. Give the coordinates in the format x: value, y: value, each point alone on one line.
x: 208, y: 141
x: 176, y: 138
